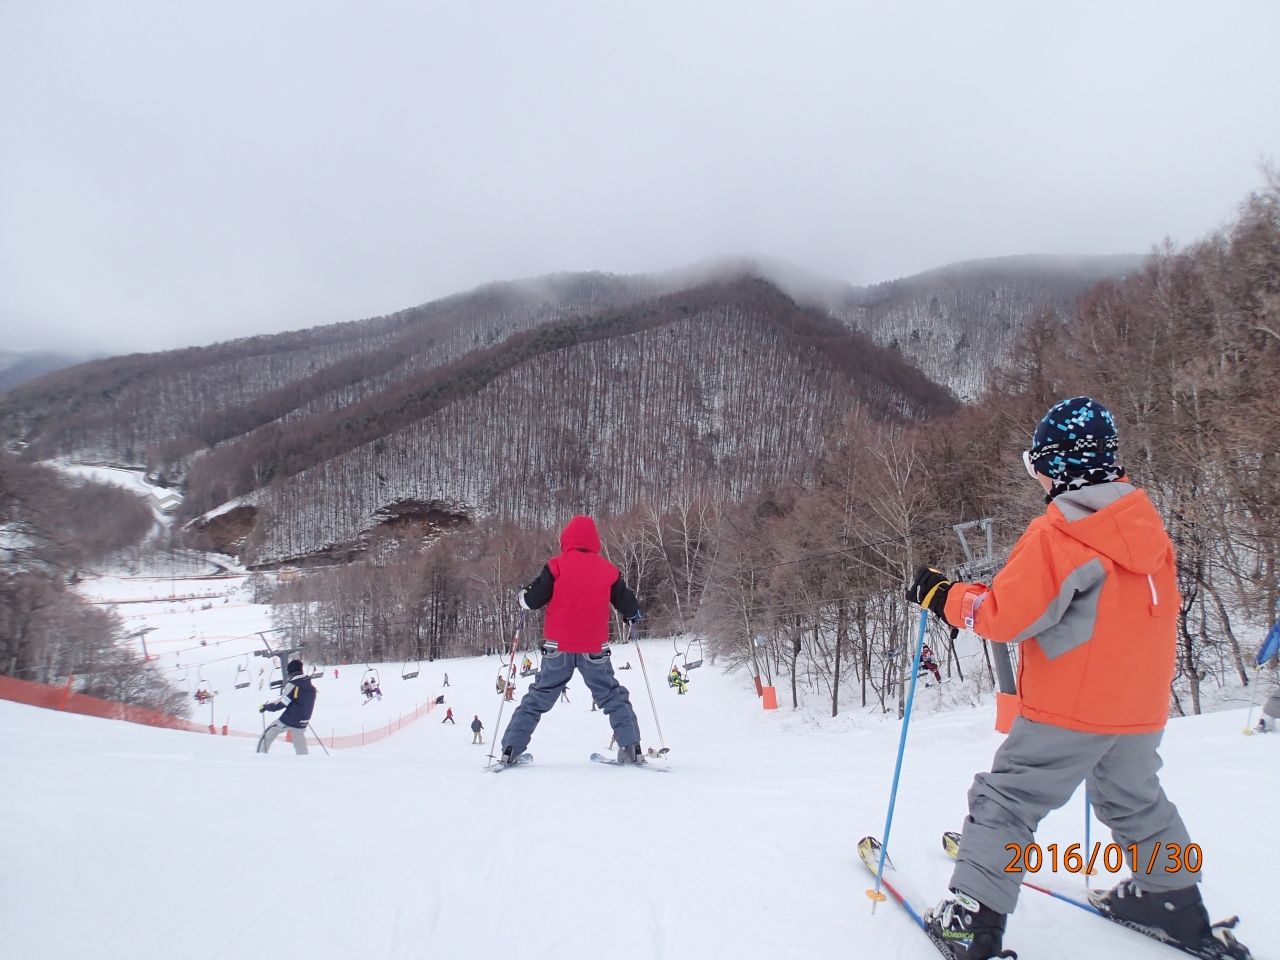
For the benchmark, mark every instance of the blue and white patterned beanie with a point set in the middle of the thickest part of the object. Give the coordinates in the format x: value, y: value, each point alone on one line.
x: 1075, y: 445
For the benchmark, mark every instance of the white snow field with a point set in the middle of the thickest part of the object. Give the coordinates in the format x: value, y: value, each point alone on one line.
x: 127, y: 841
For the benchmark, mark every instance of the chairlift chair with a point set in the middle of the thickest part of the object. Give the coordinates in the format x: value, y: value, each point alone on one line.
x: 408, y: 672
x: 204, y: 689
x: 243, y: 678
x: 693, y: 664
x: 532, y: 669
x: 274, y: 680
x: 371, y: 674
x: 184, y: 680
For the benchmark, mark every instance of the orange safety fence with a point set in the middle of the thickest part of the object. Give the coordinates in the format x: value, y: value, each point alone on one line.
x: 61, y: 697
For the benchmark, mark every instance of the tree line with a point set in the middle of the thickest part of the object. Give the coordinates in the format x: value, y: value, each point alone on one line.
x: 51, y: 529
x: 802, y: 579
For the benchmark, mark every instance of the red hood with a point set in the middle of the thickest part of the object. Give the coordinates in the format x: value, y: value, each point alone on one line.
x: 580, y: 534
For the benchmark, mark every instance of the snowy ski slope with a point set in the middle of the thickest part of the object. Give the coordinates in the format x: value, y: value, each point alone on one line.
x: 134, y: 842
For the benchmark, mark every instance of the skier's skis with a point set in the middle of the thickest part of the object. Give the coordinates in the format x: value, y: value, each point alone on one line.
x: 522, y: 759
x: 891, y: 880
x: 601, y: 758
x: 1224, y: 946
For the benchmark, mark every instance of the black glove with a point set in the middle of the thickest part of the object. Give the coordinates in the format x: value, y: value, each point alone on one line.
x: 930, y: 589
x: 633, y: 619
x: 263, y: 708
x: 273, y: 707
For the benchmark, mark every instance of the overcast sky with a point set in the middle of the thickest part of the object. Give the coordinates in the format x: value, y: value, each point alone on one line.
x: 179, y: 173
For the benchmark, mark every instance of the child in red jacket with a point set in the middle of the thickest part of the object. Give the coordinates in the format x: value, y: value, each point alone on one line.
x: 577, y: 588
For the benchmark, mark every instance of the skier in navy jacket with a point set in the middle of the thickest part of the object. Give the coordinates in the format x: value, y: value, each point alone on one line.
x: 297, y: 700
x: 577, y: 588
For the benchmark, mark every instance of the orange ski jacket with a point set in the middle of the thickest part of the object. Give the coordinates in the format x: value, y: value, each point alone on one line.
x: 1090, y: 592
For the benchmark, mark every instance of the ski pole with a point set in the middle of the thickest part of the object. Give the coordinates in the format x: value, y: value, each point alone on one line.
x: 875, y: 894
x: 502, y: 705
x: 652, y: 703
x: 318, y: 740
x: 1088, y: 825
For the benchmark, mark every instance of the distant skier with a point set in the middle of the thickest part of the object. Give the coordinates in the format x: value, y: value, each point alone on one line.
x: 1090, y: 591
x: 526, y: 665
x: 297, y: 699
x: 448, y: 717
x: 511, y: 694
x: 335, y: 673
x: 477, y: 730
x: 577, y: 588
x: 1270, y: 647
x: 927, y: 662
x: 446, y: 680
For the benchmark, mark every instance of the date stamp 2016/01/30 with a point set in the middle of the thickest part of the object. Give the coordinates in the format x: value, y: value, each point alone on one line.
x: 1032, y: 858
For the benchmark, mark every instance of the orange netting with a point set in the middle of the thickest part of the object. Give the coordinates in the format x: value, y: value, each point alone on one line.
x: 62, y: 698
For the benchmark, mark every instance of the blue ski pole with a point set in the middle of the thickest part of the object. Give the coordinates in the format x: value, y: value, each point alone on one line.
x: 1088, y: 825
x: 875, y: 894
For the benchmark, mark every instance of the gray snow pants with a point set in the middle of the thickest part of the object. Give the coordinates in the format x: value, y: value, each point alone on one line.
x: 277, y: 728
x: 1037, y: 769
x: 557, y: 668
x: 1272, y: 707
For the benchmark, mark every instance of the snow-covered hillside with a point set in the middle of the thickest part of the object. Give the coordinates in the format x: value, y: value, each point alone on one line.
x: 128, y: 841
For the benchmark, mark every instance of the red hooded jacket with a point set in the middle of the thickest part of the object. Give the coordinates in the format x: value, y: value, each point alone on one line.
x: 577, y: 587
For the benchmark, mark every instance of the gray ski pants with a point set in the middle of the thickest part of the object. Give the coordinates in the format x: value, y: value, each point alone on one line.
x: 1037, y: 769
x: 277, y: 728
x: 557, y: 668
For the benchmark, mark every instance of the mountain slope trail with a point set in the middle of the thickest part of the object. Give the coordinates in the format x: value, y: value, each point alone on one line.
x: 172, y: 843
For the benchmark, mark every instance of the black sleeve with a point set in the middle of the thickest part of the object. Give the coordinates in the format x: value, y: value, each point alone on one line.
x: 538, y: 594
x: 623, y: 600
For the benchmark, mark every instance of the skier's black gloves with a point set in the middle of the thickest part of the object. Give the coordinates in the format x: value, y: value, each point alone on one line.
x: 929, y: 589
x: 633, y: 619
x: 263, y: 708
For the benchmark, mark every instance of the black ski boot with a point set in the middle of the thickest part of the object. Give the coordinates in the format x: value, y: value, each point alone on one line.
x: 1177, y: 916
x: 969, y: 930
x: 631, y: 754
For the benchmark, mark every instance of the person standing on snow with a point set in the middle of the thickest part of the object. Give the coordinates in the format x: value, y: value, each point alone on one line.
x: 477, y: 730
x: 448, y: 717
x: 1270, y: 647
x: 1090, y: 591
x: 297, y: 699
x: 577, y: 588
x: 446, y: 679
x: 927, y: 662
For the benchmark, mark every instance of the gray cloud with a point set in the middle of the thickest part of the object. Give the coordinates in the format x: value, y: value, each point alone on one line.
x: 175, y: 174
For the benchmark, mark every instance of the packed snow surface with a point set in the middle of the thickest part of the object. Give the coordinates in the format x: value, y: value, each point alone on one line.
x: 133, y: 842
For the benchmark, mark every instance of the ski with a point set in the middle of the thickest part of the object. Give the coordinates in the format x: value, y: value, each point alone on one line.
x: 896, y: 885
x: 601, y: 758
x: 1224, y: 947
x: 523, y: 759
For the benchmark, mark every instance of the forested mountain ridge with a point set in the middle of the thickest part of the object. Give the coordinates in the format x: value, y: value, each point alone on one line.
x: 265, y: 416
x: 729, y: 387
x: 958, y: 322
x: 154, y: 410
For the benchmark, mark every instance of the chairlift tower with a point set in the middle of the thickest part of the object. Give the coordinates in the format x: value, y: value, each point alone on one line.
x: 982, y: 568
x: 283, y: 655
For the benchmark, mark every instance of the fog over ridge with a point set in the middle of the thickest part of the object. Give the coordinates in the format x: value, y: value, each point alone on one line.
x: 180, y: 175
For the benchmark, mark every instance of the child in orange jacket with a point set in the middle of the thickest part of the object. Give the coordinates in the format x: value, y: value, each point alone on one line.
x: 1090, y: 593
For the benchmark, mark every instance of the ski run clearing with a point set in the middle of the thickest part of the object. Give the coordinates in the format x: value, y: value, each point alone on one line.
x: 135, y: 842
